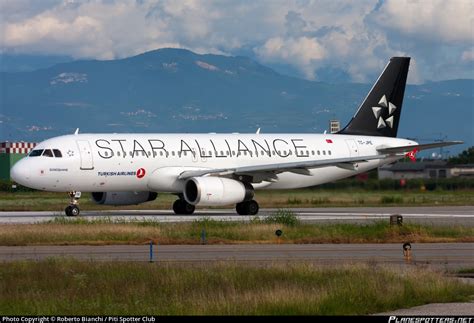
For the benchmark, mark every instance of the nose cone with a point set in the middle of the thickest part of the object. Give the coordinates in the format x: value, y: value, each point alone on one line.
x: 20, y: 173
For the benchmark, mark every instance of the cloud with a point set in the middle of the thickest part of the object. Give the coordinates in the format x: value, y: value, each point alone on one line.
x: 357, y: 38
x: 303, y: 52
x: 435, y: 20
x: 468, y: 55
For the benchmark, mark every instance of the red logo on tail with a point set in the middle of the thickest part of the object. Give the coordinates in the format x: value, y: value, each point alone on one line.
x: 412, y: 155
x: 141, y: 172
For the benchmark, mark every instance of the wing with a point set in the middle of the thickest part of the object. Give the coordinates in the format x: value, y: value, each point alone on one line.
x: 405, y: 149
x: 269, y: 170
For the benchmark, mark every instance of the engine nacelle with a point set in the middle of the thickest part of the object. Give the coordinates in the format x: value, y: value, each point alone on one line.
x: 123, y: 198
x: 209, y: 191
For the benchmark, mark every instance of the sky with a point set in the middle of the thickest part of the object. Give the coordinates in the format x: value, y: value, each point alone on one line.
x: 328, y: 40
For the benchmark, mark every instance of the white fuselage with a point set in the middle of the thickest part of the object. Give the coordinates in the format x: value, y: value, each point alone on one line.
x: 152, y: 162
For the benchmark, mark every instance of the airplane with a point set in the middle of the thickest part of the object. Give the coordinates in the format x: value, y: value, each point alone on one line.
x: 222, y: 169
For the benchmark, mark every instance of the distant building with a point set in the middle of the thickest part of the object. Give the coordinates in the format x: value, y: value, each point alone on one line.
x: 10, y: 153
x: 425, y: 170
x: 334, y: 126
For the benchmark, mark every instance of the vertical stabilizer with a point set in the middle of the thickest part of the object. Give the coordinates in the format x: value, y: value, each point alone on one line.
x: 379, y: 114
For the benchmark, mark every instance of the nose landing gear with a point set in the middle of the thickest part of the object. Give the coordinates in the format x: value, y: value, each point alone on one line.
x: 73, y: 209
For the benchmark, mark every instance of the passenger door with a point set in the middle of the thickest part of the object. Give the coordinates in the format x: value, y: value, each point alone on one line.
x: 85, y: 152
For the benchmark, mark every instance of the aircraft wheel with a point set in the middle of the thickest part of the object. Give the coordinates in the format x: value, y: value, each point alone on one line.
x: 182, y: 207
x: 241, y: 208
x: 72, y: 210
x: 252, y: 207
x: 188, y: 208
x: 177, y: 207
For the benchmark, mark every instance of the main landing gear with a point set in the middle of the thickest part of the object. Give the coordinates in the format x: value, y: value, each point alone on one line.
x: 247, y: 207
x: 73, y: 208
x: 180, y: 206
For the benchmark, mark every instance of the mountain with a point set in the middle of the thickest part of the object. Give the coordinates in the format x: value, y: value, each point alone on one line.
x: 175, y: 90
x: 29, y: 62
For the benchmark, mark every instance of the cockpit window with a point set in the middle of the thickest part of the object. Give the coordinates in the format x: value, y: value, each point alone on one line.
x: 57, y: 153
x: 36, y: 153
x: 48, y: 153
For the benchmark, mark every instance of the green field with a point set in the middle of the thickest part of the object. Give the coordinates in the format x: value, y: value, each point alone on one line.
x: 45, y: 201
x: 67, y: 287
x: 66, y: 231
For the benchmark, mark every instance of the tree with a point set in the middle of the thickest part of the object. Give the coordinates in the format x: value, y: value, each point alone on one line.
x: 466, y: 157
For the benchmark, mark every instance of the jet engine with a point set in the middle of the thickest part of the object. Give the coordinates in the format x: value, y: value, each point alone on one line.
x: 209, y: 191
x: 123, y: 198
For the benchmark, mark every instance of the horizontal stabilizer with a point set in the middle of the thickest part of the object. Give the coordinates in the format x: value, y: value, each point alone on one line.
x: 404, y: 149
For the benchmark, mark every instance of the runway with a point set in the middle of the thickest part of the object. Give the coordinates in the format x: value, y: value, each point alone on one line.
x: 445, y: 255
x: 443, y: 215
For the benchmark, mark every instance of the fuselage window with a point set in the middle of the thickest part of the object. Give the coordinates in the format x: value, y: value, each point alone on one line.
x: 290, y: 152
x: 329, y: 152
x: 118, y: 153
x: 324, y: 152
x: 319, y: 153
x: 210, y: 153
x: 161, y: 153
x: 312, y: 152
x: 172, y: 153
x: 57, y: 153
x: 233, y: 152
x: 106, y: 153
x: 273, y: 152
x: 36, y: 153
x: 47, y: 153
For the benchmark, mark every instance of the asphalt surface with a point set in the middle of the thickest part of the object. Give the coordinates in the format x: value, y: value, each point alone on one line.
x: 443, y: 215
x: 445, y: 255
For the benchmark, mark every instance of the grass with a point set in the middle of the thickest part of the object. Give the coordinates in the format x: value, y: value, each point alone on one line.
x: 66, y: 231
x: 47, y: 201
x: 67, y: 287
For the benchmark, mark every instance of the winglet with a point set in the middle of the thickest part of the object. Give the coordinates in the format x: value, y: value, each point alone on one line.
x: 412, y: 155
x: 77, y: 131
x: 258, y: 131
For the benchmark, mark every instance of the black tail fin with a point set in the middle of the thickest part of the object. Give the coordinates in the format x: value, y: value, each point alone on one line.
x: 380, y: 112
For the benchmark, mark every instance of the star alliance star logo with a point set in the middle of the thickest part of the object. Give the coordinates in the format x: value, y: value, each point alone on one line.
x: 378, y: 112
x: 70, y: 153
